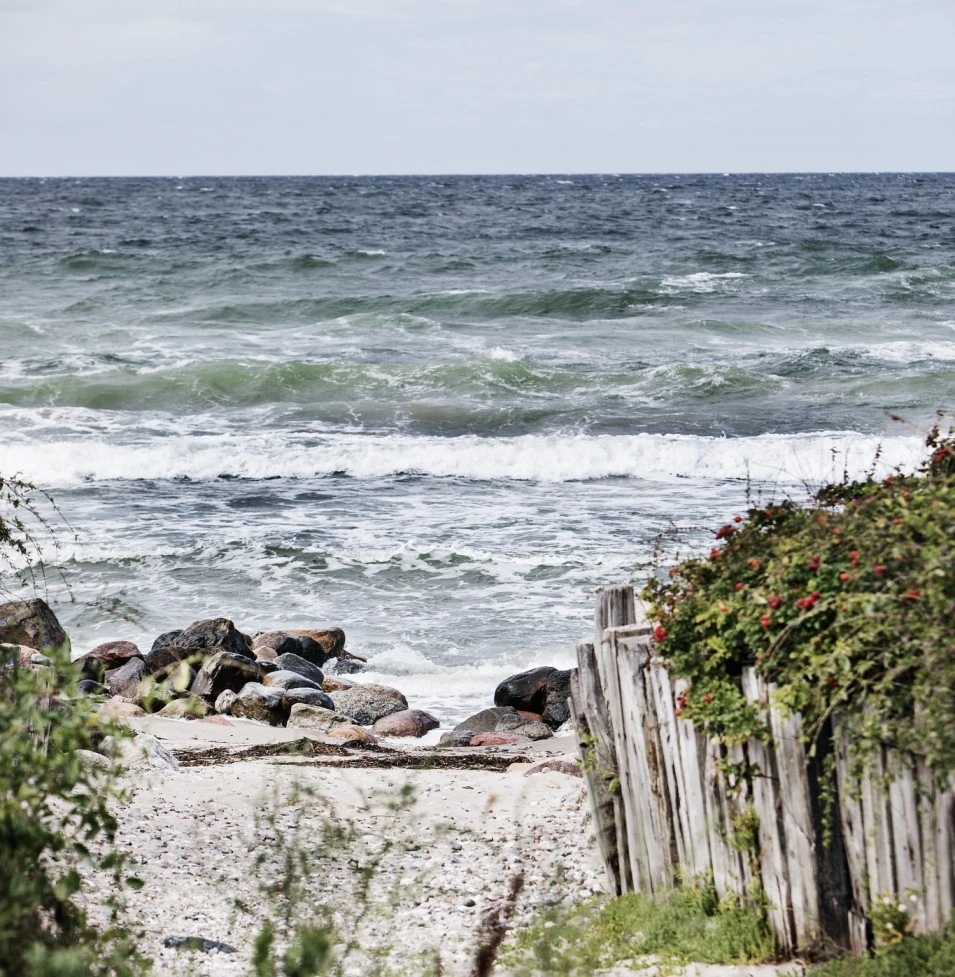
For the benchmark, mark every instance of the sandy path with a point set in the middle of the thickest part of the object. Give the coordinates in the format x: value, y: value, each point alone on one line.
x: 203, y: 838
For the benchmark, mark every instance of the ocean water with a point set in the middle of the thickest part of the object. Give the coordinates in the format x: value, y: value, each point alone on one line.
x: 439, y: 412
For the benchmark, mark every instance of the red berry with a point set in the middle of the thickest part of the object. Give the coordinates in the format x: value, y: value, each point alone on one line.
x: 740, y: 586
x: 774, y: 602
x: 843, y: 575
x: 878, y: 570
x: 737, y: 518
x: 765, y: 621
x: 659, y: 633
x: 707, y: 699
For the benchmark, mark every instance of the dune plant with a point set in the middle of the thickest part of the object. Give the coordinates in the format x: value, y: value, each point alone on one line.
x: 846, y: 603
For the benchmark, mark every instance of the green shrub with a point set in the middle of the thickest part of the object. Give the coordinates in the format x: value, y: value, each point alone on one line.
x: 915, y: 956
x: 846, y: 603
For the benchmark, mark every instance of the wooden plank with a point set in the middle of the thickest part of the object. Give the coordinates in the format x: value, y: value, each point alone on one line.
x: 945, y: 848
x: 798, y: 833
x: 716, y: 826
x: 853, y: 835
x: 907, y: 852
x: 932, y: 920
x: 692, y: 746
x: 739, y: 798
x: 880, y: 872
x: 597, y: 758
x: 774, y: 869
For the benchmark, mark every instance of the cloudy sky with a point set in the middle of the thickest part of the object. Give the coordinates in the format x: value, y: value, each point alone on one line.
x: 475, y: 86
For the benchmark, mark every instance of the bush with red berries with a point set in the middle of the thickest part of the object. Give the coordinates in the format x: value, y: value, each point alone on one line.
x: 846, y: 603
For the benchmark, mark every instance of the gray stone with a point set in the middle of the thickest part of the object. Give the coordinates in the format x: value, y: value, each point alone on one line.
x: 408, y: 722
x: 224, y: 702
x: 556, y: 710
x: 257, y: 702
x: 310, y: 697
x: 200, y: 641
x: 32, y: 623
x: 306, y: 716
x: 90, y: 686
x: 288, y: 680
x: 190, y: 707
x: 488, y: 720
x: 125, y: 679
x: 366, y: 704
x: 456, y: 738
x: 295, y: 663
x: 224, y: 670
x: 193, y: 943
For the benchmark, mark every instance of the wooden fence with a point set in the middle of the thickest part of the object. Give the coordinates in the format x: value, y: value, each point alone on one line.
x: 667, y: 805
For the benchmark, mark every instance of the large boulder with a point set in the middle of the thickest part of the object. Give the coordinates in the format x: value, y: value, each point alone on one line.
x: 310, y: 697
x: 331, y: 683
x: 224, y: 670
x: 288, y: 680
x: 556, y: 708
x: 290, y: 662
x: 526, y: 691
x: 305, y: 716
x: 351, y: 735
x: 366, y: 704
x: 118, y: 709
x: 277, y: 642
x: 408, y: 722
x: 31, y: 623
x: 191, y: 707
x: 201, y: 640
x: 499, y: 739
x: 257, y: 702
x: 223, y: 704
x: 504, y: 719
x: 105, y: 658
x: 125, y: 679
x: 330, y: 640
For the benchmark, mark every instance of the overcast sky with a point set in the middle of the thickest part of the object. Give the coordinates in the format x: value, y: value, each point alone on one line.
x: 475, y: 86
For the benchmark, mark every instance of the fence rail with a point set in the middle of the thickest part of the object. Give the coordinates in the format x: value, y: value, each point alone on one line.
x: 669, y: 803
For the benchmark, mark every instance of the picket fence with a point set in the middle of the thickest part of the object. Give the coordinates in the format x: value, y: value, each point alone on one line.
x: 667, y: 806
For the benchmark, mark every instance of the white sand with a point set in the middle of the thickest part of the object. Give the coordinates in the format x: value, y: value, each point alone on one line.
x: 200, y: 841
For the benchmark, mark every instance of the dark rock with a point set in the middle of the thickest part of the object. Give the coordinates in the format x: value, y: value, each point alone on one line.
x: 288, y: 680
x: 32, y: 623
x: 90, y: 686
x: 105, y: 658
x: 224, y: 670
x: 266, y: 666
x: 201, y: 640
x: 295, y: 663
x: 280, y: 642
x: 330, y: 640
x: 308, y: 716
x: 366, y: 704
x: 224, y: 702
x: 344, y: 666
x: 257, y: 702
x: 164, y: 639
x: 193, y: 943
x: 456, y: 738
x: 310, y: 697
x: 408, y: 722
x: 487, y: 720
x: 125, y: 679
x: 191, y: 707
x: 526, y: 690
x: 556, y: 710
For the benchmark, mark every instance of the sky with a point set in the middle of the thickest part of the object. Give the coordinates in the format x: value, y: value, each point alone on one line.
x: 159, y: 87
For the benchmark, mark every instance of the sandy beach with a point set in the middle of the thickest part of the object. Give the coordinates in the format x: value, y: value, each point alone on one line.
x: 441, y: 847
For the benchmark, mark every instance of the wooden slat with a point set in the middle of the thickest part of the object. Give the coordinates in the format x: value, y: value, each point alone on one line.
x: 945, y: 848
x: 692, y: 745
x: 853, y: 834
x: 932, y: 919
x: 907, y: 851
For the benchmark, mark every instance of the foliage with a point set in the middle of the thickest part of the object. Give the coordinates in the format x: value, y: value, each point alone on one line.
x: 845, y: 603
x: 914, y: 956
x: 891, y: 919
x: 54, y: 807
x: 686, y: 925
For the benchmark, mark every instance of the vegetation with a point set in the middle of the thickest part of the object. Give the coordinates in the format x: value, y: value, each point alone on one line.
x: 686, y: 925
x: 913, y: 956
x: 846, y: 604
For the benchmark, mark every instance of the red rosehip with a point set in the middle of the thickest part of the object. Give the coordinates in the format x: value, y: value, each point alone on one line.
x: 878, y: 569
x: 723, y: 608
x: 740, y: 586
x: 714, y: 554
x: 814, y: 563
x: 843, y: 575
x: 659, y: 633
x: 765, y: 620
x: 737, y: 518
x: 774, y: 602
x: 854, y: 556
x: 755, y: 564
x: 677, y: 713
x: 707, y: 698
x: 914, y: 594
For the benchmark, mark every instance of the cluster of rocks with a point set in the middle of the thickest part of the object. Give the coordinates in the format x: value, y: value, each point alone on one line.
x: 292, y: 677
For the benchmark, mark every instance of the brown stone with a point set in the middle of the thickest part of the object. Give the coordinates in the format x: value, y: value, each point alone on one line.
x: 408, y: 722
x: 351, y: 735
x: 32, y: 623
x: 499, y: 739
x: 106, y: 657
x: 332, y: 683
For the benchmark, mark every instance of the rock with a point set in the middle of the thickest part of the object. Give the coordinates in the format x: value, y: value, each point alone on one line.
x: 90, y: 686
x: 408, y: 722
x: 351, y: 735
x: 366, y: 704
x: 144, y: 750
x: 190, y: 707
x: 290, y: 662
x: 32, y: 623
x: 93, y: 759
x: 504, y: 719
x: 456, y: 738
x: 224, y: 670
x: 333, y: 684
x: 263, y: 655
x: 281, y: 642
x: 310, y: 697
x: 499, y: 739
x: 306, y: 716
x: 200, y: 641
x: 486, y: 721
x: 557, y: 764
x: 224, y: 702
x: 22, y: 656
x: 344, y: 666
x: 526, y: 690
x: 193, y: 943
x: 288, y: 680
x: 117, y: 709
x: 556, y: 710
x: 106, y: 657
x: 257, y: 702
x: 125, y: 679
x: 331, y: 641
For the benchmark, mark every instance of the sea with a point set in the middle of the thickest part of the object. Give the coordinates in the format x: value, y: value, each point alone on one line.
x: 439, y: 412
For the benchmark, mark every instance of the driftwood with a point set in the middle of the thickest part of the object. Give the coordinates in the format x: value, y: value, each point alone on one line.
x: 668, y: 804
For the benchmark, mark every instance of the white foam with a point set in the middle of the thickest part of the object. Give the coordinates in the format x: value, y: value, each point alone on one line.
x: 700, y: 281
x: 789, y: 459
x: 504, y: 355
